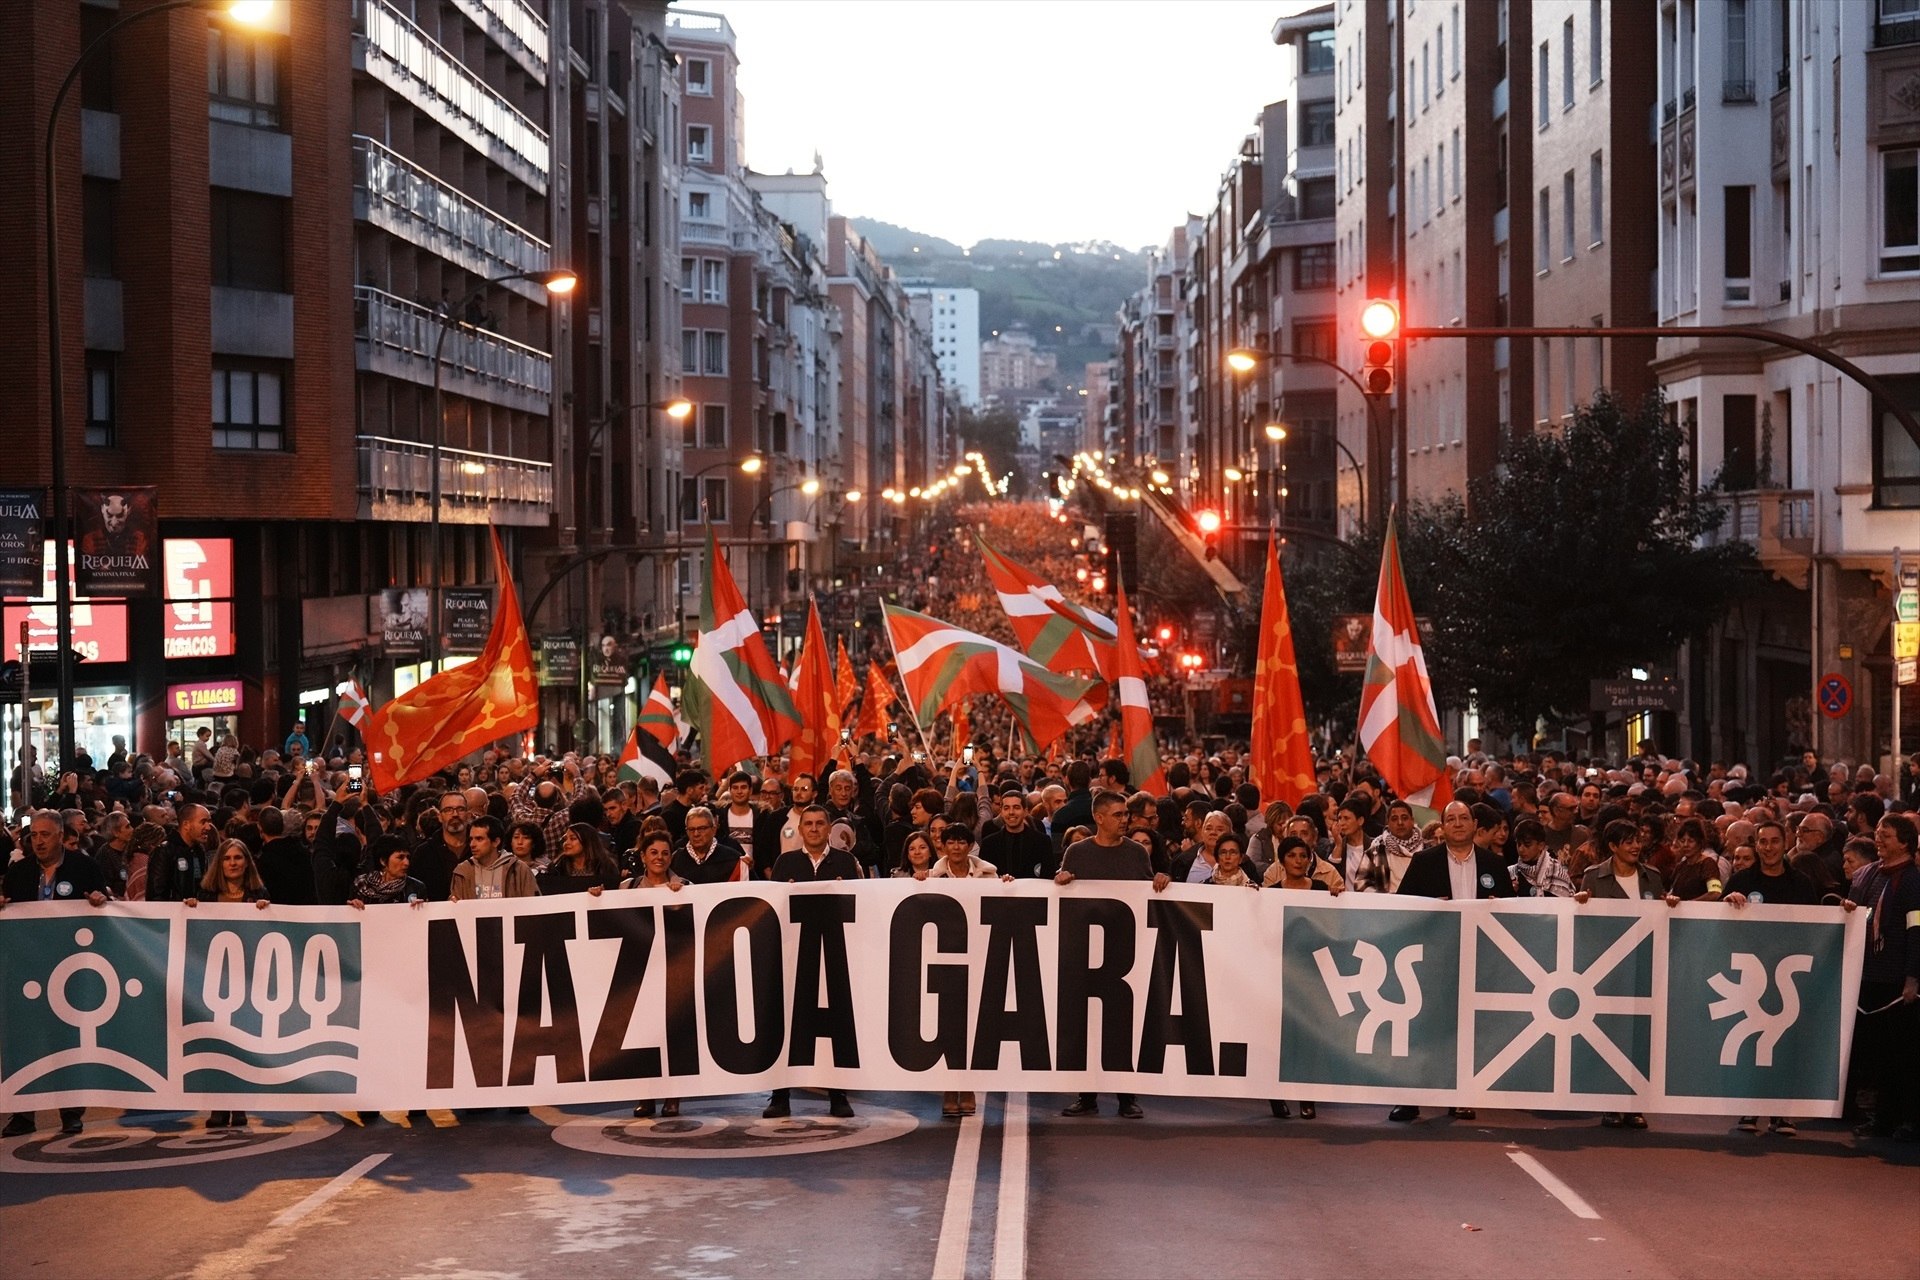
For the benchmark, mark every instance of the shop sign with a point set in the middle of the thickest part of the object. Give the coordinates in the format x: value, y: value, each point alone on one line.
x: 119, y: 541
x: 559, y: 659
x: 204, y: 698
x: 99, y: 626
x: 23, y: 546
x: 198, y: 619
x: 403, y: 619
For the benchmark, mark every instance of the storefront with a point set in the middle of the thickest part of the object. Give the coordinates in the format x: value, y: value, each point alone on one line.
x: 103, y: 692
x: 214, y: 705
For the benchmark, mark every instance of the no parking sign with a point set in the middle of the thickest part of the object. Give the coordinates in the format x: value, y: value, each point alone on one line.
x: 1835, y: 695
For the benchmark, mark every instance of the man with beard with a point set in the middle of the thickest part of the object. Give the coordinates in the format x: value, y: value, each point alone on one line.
x: 1397, y: 844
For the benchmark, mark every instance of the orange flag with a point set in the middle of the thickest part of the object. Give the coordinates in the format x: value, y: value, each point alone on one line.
x: 846, y: 685
x: 1282, y: 755
x: 873, y: 707
x: 962, y: 725
x: 811, y: 750
x: 460, y: 711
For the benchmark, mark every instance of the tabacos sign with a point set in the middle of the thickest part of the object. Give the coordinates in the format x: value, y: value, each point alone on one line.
x: 204, y: 698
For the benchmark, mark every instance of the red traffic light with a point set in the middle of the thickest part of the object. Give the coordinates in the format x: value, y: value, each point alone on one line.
x: 1165, y: 635
x: 1380, y: 318
x: 1208, y: 521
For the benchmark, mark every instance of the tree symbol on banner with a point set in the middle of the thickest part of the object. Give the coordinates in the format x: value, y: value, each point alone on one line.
x: 1366, y: 982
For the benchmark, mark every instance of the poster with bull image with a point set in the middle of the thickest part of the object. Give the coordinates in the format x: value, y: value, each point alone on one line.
x: 119, y: 541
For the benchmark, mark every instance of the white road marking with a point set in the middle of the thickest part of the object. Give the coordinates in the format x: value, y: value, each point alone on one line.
x: 1010, y: 1233
x: 288, y: 1217
x: 956, y: 1223
x: 1559, y: 1190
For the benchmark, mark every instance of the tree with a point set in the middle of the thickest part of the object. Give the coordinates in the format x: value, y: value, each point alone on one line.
x: 1582, y: 560
x: 1577, y: 558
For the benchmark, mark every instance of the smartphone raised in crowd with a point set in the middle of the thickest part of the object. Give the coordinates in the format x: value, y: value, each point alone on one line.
x: 353, y: 778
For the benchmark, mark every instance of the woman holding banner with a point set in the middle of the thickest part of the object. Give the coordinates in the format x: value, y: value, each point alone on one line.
x: 656, y: 872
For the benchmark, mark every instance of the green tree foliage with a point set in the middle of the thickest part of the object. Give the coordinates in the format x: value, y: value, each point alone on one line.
x: 1576, y: 559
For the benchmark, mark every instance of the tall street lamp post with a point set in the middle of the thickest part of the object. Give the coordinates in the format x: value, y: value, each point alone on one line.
x: 1247, y: 359
x: 557, y: 281
x: 749, y: 465
x: 249, y: 13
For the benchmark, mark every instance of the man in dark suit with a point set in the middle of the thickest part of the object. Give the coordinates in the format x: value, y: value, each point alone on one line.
x: 1459, y: 870
x: 814, y: 860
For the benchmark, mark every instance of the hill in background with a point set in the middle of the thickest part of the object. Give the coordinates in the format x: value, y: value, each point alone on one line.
x: 1067, y: 295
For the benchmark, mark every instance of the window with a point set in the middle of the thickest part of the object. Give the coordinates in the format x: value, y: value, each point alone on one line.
x: 689, y: 351
x: 1543, y: 233
x: 699, y: 144
x: 686, y: 279
x: 1572, y: 376
x: 1595, y: 48
x: 700, y: 77
x: 1316, y: 123
x: 713, y: 353
x: 101, y: 388
x: 1456, y: 164
x: 1566, y: 216
x: 249, y: 406
x: 1739, y: 442
x: 1900, y: 210
x: 1543, y: 382
x: 1566, y: 65
x: 1896, y: 458
x: 1313, y: 267
x: 708, y: 493
x: 1737, y: 244
x: 1739, y: 75
x: 96, y: 78
x: 713, y: 426
x: 1543, y: 91
x: 713, y: 280
x: 699, y: 205
x: 243, y: 76
x: 98, y: 197
x: 1315, y: 338
x: 249, y: 233
x: 1440, y: 180
x: 1426, y: 185
x: 1596, y: 205
x: 1318, y: 54
x: 1456, y: 41
x: 1426, y: 64
x: 1317, y: 198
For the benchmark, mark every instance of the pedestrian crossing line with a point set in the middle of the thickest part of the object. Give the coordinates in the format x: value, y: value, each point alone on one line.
x: 1559, y: 1190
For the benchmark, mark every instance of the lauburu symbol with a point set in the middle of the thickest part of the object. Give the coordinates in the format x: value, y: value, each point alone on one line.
x: 1742, y: 998
x: 1396, y: 1015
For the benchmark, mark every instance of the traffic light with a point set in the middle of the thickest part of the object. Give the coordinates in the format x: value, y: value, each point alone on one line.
x: 682, y: 654
x: 1208, y: 522
x: 1164, y: 635
x: 1380, y: 322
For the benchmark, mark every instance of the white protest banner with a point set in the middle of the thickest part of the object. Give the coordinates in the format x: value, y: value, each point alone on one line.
x: 945, y: 984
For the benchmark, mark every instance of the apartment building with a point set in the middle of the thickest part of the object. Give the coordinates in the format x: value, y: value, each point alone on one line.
x: 1786, y: 198
x: 265, y: 235
x: 1492, y: 163
x: 951, y: 316
x: 1012, y: 361
x: 1152, y: 421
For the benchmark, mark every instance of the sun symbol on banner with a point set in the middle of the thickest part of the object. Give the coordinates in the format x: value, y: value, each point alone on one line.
x: 1580, y: 1022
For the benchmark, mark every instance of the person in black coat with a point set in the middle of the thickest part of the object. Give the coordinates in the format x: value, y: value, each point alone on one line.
x: 815, y: 860
x: 1449, y: 870
x: 50, y: 874
x: 1078, y: 809
x: 285, y: 865
x: 177, y: 867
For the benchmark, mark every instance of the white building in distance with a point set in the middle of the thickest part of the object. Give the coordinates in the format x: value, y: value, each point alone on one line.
x: 953, y: 317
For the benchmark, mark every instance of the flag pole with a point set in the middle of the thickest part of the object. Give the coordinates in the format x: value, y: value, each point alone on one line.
x: 905, y: 697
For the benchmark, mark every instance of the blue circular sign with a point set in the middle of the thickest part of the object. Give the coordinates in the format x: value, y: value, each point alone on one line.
x: 1835, y: 695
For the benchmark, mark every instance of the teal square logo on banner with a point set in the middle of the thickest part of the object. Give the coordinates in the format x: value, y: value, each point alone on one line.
x: 1562, y: 1003
x: 1750, y: 1008
x: 271, y: 1007
x: 1369, y: 998
x: 84, y: 1003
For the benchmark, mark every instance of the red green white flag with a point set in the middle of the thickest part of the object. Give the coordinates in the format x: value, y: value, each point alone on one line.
x: 734, y: 692
x: 941, y: 664
x: 1399, y: 727
x: 1137, y: 745
x: 1052, y: 631
x: 657, y: 716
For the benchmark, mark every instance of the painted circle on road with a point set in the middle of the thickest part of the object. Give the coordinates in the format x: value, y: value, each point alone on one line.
x: 1835, y: 695
x: 112, y: 1148
x: 716, y: 1134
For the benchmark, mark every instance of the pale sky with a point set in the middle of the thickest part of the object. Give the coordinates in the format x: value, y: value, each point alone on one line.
x: 1051, y: 120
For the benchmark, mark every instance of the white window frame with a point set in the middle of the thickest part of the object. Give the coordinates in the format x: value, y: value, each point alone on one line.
x: 1566, y: 65
x: 713, y: 280
x: 688, y: 276
x: 713, y: 353
x: 1543, y: 234
x: 1888, y: 251
x: 1543, y: 91
x: 1569, y: 232
x: 702, y: 87
x: 703, y: 214
x: 1596, y: 200
x: 1596, y: 55
x: 699, y: 144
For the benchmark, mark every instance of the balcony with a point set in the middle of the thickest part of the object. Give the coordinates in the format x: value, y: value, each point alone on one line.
x: 705, y: 233
x: 514, y: 27
x: 396, y: 483
x: 1899, y: 29
x: 1777, y: 523
x: 401, y: 56
x: 397, y: 195
x: 395, y: 337
x: 1737, y: 91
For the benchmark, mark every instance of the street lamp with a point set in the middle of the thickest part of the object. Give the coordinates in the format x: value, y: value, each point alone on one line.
x: 1244, y: 360
x: 246, y: 13
x: 810, y: 487
x: 557, y: 281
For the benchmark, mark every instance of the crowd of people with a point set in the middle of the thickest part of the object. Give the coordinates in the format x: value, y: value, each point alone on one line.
x: 289, y: 826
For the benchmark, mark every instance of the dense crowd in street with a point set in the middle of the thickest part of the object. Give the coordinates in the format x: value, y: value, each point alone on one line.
x: 288, y: 826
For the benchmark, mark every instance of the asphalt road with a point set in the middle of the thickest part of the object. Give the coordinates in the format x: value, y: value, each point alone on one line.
x: 1200, y: 1188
